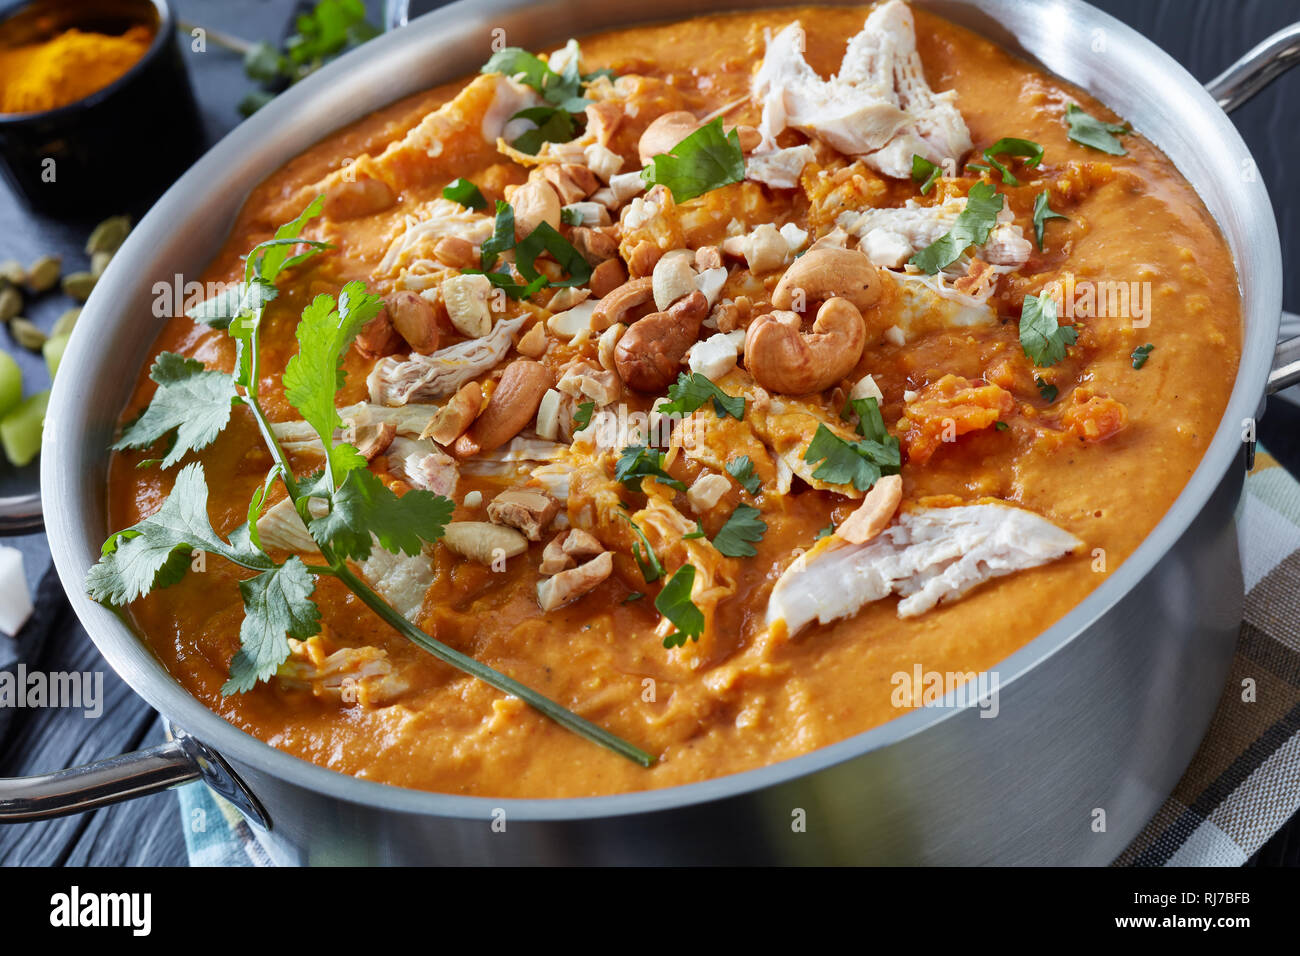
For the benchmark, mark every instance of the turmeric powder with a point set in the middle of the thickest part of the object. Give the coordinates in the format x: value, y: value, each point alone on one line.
x: 66, y: 68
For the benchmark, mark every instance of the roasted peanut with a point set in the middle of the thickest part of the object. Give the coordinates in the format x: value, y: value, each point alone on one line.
x: 511, y: 407
x: 827, y: 273
x: 595, y: 244
x: 607, y: 277
x: 875, y: 513
x: 570, y: 181
x: 415, y: 318
x: 352, y: 200
x: 643, y: 257
x: 455, y: 252
x: 378, y: 338
x: 451, y: 421
x: 664, y: 133
x: 372, y: 439
x: 784, y: 359
x: 535, y: 202
x: 649, y: 355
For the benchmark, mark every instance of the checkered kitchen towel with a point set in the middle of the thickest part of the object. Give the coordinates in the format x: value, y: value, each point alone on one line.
x: 1243, y: 784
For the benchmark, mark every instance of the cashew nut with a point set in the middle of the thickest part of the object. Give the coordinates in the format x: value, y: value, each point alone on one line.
x: 875, y: 512
x: 784, y: 359
x: 665, y: 133
x: 649, y: 354
x: 607, y: 277
x: 566, y: 587
x: 827, y: 272
x: 535, y: 202
x: 511, y: 407
x: 615, y: 306
x: 466, y: 298
x: 451, y: 421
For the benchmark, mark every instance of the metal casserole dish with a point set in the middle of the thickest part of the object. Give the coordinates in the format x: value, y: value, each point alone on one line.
x: 1103, y: 710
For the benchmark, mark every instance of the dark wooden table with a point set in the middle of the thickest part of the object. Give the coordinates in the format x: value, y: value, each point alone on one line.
x: 1203, y: 34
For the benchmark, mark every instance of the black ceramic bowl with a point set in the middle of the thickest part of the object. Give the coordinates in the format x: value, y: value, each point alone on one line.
x: 120, y: 144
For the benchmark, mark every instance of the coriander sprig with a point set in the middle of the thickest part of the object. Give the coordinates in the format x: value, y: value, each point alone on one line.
x: 358, y: 508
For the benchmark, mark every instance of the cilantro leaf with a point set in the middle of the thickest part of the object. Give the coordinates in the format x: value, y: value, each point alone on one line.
x: 363, y: 506
x: 545, y: 239
x: 314, y: 375
x: 742, y: 469
x: 277, y: 606
x: 507, y: 284
x: 1010, y: 146
x: 1089, y: 131
x: 925, y: 173
x: 558, y: 89
x: 582, y: 417
x: 705, y: 160
x: 277, y: 253
x: 741, y: 528
x: 871, y: 424
x: 697, y: 533
x: 1141, y: 354
x: 502, y: 238
x: 1046, y: 390
x: 859, y: 463
x: 674, y: 602
x: 461, y: 190
x: 1042, y: 213
x: 634, y: 596
x: 692, y: 389
x: 1043, y: 341
x: 636, y: 462
x: 156, y: 551
x: 646, y: 559
x: 825, y: 532
x: 972, y: 228
x: 191, y: 402
x: 551, y: 124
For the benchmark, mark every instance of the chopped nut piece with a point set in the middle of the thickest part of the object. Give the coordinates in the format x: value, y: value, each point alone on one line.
x: 473, y: 499
x: 594, y: 244
x: 533, y: 343
x: 466, y: 298
x: 372, y: 439
x: 602, y: 161
x: 548, y: 415
x: 554, y: 559
x: 672, y: 278
x: 567, y: 586
x: 569, y: 180
x: 567, y: 298
x: 581, y: 544
x: 528, y: 509
x: 706, y: 492
x: 483, y: 541
x: 875, y: 513
x: 455, y: 252
x: 453, y: 419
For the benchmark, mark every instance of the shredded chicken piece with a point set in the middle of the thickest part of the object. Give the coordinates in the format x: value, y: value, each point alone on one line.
x: 362, y: 675
x: 422, y: 464
x: 929, y: 556
x: 878, y: 106
x: 402, y: 579
x: 398, y: 381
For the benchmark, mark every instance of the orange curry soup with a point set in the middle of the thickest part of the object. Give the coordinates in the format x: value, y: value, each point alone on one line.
x: 1089, y: 448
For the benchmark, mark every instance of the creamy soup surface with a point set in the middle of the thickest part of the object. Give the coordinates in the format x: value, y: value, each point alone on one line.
x: 1091, y: 444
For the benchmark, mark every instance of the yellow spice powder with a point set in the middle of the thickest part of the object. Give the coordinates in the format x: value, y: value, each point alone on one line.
x: 66, y: 68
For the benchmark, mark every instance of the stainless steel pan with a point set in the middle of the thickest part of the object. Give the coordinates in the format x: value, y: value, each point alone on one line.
x: 1101, y: 712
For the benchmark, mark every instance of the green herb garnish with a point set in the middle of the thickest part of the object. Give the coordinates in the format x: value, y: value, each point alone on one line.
x: 697, y: 533
x: 1043, y: 341
x: 463, y: 191
x: 646, y: 559
x: 277, y: 598
x: 636, y: 462
x: 1089, y: 131
x: 705, y: 160
x: 191, y: 402
x: 674, y: 602
x: 1141, y: 354
x: 825, y: 532
x: 1046, y: 390
x: 1001, y: 426
x: 582, y: 417
x: 741, y: 528
x: 742, y: 469
x: 552, y: 124
x: 972, y: 228
x: 1042, y: 213
x: 859, y: 463
x: 692, y: 390
x: 925, y: 173
x: 1031, y: 152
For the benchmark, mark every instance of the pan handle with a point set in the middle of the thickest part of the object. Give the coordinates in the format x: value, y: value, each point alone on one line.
x: 21, y: 514
x: 127, y: 776
x: 1258, y: 68
x: 1230, y: 89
